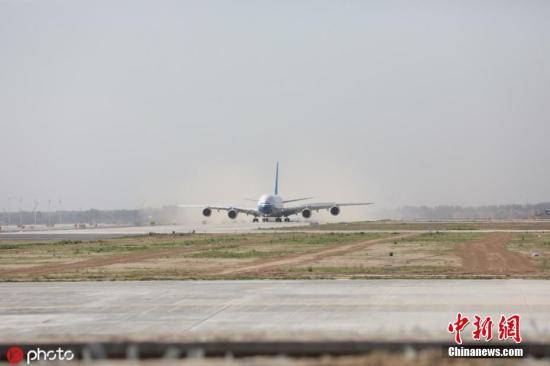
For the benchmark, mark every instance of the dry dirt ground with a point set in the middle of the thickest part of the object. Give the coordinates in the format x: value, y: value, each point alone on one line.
x: 309, y: 257
x: 105, y: 261
x: 491, y: 256
x: 282, y: 255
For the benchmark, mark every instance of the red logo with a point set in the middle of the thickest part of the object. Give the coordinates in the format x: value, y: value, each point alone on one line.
x: 508, y: 328
x: 15, y: 355
x: 483, y: 328
x: 457, y: 327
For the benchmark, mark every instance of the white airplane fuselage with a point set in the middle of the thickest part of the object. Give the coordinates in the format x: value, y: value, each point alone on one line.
x: 270, y: 205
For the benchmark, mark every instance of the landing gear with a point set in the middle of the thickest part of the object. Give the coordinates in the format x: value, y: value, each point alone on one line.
x: 255, y: 219
x: 278, y: 219
x: 265, y: 219
x: 287, y: 219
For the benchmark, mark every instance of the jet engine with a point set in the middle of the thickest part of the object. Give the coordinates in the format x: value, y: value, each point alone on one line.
x: 334, y: 210
x: 207, y: 212
x: 232, y: 214
x: 306, y: 213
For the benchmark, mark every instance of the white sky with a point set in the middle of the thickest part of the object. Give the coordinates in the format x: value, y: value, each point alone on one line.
x: 119, y: 104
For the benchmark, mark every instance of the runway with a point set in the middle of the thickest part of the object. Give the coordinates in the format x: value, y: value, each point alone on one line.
x: 68, y: 233
x: 264, y: 310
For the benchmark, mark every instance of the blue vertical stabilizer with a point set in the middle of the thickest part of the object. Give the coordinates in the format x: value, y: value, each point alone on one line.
x: 277, y: 179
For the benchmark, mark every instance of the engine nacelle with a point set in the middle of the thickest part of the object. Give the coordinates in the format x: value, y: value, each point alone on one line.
x: 334, y: 210
x: 232, y: 214
x: 306, y: 213
x: 207, y: 212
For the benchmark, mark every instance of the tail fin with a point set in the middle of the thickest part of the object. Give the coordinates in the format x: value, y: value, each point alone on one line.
x: 277, y: 179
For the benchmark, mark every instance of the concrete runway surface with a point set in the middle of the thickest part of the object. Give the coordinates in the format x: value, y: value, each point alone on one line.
x: 66, y: 232
x: 265, y: 309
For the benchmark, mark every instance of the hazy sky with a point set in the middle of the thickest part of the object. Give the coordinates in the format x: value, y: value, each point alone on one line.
x: 120, y: 104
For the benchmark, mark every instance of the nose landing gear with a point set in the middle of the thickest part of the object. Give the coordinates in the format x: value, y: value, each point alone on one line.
x: 255, y: 219
x: 287, y: 219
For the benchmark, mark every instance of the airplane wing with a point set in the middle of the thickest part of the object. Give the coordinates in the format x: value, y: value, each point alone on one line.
x: 321, y: 206
x: 297, y: 199
x: 246, y: 211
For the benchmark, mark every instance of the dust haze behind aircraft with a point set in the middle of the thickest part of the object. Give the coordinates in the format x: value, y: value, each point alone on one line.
x: 273, y: 206
x: 118, y: 105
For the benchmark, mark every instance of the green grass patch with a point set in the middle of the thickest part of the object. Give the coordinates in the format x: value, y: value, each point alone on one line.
x: 357, y: 270
x: 322, y: 239
x: 443, y: 237
x: 222, y: 253
x: 531, y: 243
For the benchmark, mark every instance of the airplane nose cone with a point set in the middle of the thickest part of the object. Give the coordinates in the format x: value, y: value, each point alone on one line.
x: 265, y: 208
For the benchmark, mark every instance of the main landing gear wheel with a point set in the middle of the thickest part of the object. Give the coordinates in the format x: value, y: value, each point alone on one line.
x: 278, y: 219
x: 264, y: 219
x: 287, y: 219
x: 255, y: 219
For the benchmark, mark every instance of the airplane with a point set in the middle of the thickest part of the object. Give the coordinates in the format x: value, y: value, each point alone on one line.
x: 273, y: 206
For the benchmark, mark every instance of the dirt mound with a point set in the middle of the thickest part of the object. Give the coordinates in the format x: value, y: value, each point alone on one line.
x: 490, y: 256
